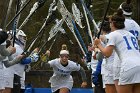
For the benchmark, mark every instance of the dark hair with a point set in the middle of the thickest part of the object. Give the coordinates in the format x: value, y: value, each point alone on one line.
x: 64, y: 47
x: 106, y: 25
x: 127, y: 7
x: 3, y: 36
x: 128, y: 1
x: 118, y: 19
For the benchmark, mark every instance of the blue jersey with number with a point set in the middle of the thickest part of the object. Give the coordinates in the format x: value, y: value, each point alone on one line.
x: 126, y: 46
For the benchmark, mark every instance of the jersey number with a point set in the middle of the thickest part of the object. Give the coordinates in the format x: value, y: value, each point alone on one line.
x: 134, y: 42
x: 135, y: 33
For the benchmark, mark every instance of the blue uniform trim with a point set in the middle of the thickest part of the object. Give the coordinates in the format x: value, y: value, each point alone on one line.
x: 97, y: 73
x: 26, y: 60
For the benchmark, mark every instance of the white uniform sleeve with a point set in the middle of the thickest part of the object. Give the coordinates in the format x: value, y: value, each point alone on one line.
x: 111, y: 39
x: 93, y: 65
x: 52, y: 62
x: 19, y: 51
x: 75, y: 66
x: 138, y: 29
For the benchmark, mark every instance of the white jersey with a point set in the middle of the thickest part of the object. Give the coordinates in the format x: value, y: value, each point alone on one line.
x: 107, y: 64
x: 133, y: 27
x: 126, y: 46
x: 93, y: 63
x: 8, y: 75
x: 18, y: 68
x: 61, y: 76
x: 2, y: 86
x: 2, y: 82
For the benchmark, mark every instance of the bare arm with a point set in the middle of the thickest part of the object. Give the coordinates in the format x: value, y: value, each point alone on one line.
x: 83, y: 74
x: 84, y: 78
x: 2, y: 57
x: 45, y: 65
x: 6, y: 51
x: 8, y: 63
x: 106, y: 51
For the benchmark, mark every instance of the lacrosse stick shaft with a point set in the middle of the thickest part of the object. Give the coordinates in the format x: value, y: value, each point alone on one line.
x: 56, y: 37
x: 87, y: 21
x: 7, y: 14
x: 68, y: 19
x: 39, y: 32
x: 79, y: 37
x: 104, y: 19
x: 88, y: 12
x: 19, y: 6
x: 18, y: 13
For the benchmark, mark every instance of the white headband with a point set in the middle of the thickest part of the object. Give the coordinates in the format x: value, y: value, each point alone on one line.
x: 64, y: 52
x: 124, y: 12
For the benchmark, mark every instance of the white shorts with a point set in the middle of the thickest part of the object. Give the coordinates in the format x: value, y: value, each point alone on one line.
x: 116, y: 73
x: 8, y: 77
x: 131, y: 76
x: 55, y: 87
x: 9, y: 82
x: 2, y: 83
x: 22, y: 82
x: 61, y: 83
x: 103, y: 80
x: 107, y: 80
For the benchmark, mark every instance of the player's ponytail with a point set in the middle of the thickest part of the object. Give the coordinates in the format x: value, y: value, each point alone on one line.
x: 128, y: 1
x: 106, y: 25
x: 126, y: 8
x: 64, y: 47
x: 64, y: 50
x: 118, y: 19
